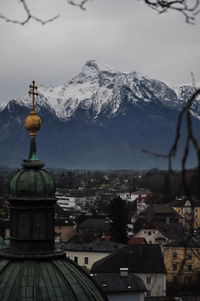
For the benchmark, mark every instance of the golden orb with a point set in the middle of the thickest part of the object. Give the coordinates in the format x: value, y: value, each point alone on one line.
x: 33, y: 122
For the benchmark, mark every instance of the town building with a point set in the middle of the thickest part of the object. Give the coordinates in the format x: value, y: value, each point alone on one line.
x: 98, y: 225
x: 189, y: 210
x: 182, y: 261
x: 144, y: 261
x: 88, y: 253
x: 65, y: 229
x: 154, y: 232
x: 121, y: 286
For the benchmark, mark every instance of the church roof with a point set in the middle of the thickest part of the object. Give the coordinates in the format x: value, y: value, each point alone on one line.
x: 52, y: 280
x: 32, y: 182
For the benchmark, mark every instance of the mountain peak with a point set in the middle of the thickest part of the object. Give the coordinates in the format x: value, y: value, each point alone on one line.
x: 94, y: 67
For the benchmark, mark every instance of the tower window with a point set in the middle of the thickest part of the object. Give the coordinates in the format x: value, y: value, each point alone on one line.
x: 174, y: 255
x: 86, y: 260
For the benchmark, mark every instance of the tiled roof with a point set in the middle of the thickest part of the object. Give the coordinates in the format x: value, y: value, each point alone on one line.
x: 63, y: 222
x: 95, y: 246
x: 187, y: 242
x: 111, y: 283
x: 137, y: 258
x: 137, y: 241
x: 98, y: 224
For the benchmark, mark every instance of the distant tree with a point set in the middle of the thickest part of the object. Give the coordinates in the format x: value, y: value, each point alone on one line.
x: 119, y: 216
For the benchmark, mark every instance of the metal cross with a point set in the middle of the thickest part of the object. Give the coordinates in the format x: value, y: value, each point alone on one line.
x: 33, y: 92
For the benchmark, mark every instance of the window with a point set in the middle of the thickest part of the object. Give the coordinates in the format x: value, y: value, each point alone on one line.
x: 149, y: 232
x: 189, y: 268
x: 189, y: 256
x: 175, y: 278
x: 76, y: 259
x: 149, y: 280
x: 86, y: 260
x: 188, y: 280
x: 148, y: 293
x: 174, y: 255
x: 175, y: 266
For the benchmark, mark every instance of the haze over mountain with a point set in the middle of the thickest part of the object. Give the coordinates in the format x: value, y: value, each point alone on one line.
x: 102, y: 118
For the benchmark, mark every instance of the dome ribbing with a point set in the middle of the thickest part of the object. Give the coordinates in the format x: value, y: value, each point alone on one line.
x: 55, y: 280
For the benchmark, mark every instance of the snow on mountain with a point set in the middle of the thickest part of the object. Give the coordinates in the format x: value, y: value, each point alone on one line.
x: 99, y: 87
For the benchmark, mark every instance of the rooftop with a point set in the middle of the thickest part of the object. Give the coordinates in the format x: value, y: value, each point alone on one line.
x: 111, y: 282
x: 137, y: 258
x: 94, y: 246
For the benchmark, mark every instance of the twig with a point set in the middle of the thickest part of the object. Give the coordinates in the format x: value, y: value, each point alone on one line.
x: 80, y: 4
x: 29, y: 16
x: 187, y: 8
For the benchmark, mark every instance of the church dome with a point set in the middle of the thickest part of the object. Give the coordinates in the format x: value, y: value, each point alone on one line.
x: 32, y: 181
x: 50, y: 280
x: 32, y: 269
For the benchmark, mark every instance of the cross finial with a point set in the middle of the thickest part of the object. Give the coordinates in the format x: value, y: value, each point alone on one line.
x: 33, y: 92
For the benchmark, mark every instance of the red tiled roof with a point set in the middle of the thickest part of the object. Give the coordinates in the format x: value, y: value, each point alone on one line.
x: 137, y: 241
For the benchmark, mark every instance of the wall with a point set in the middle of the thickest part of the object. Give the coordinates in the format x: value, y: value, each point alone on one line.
x: 152, y: 239
x: 157, y: 285
x: 66, y: 232
x: 126, y: 296
x: 182, y: 258
x: 92, y: 257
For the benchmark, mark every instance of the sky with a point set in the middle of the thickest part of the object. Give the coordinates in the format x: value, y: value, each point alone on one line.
x: 123, y: 34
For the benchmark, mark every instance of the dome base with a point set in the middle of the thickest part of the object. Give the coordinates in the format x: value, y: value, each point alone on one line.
x: 8, y: 253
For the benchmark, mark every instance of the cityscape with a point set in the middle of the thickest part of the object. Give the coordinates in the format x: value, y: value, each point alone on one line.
x: 100, y: 171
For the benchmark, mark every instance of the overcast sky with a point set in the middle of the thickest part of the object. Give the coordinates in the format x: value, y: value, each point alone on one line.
x: 124, y: 34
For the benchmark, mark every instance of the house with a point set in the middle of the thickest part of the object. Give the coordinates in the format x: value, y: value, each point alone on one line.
x: 99, y: 225
x: 189, y: 210
x: 161, y: 213
x: 67, y: 202
x: 137, y: 241
x: 159, y: 233
x: 144, y: 261
x: 64, y: 229
x: 182, y: 261
x: 121, y: 286
x: 86, y: 254
x: 132, y: 196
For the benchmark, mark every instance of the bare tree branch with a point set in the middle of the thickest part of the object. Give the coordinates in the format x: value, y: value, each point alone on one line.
x: 188, y: 8
x: 80, y: 4
x: 29, y: 16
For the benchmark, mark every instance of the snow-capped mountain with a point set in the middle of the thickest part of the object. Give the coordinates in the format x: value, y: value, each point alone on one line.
x: 101, y: 118
x: 98, y: 88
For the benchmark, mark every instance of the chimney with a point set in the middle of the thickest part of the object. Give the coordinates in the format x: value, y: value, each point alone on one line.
x: 123, y: 272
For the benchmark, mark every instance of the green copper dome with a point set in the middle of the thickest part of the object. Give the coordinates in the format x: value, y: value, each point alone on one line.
x: 32, y: 181
x: 53, y: 280
x: 32, y: 269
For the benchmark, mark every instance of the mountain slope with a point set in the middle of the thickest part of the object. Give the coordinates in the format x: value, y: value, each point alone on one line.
x: 101, y: 118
